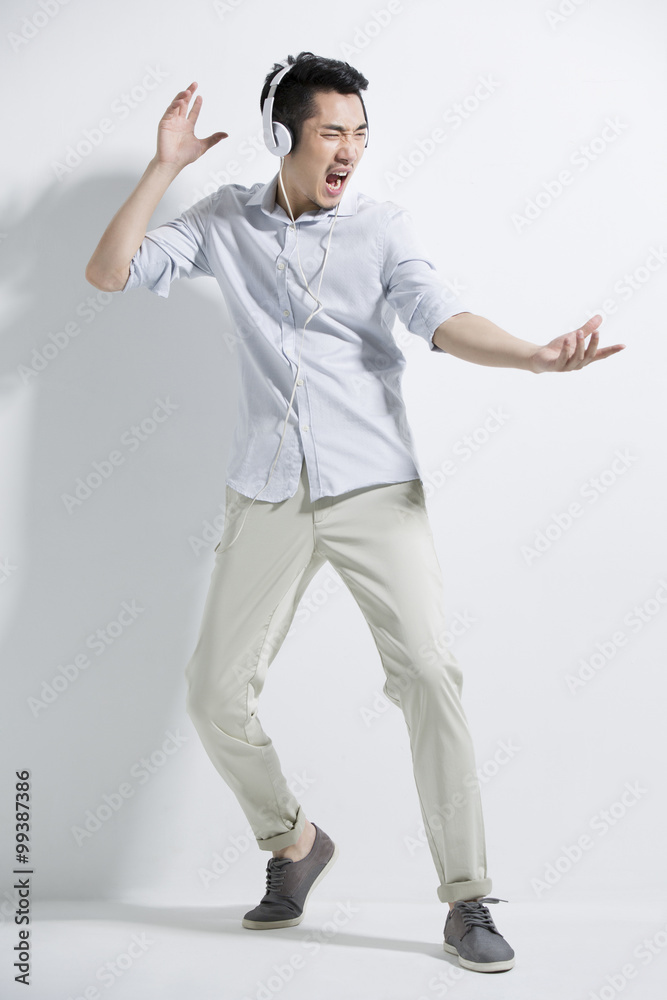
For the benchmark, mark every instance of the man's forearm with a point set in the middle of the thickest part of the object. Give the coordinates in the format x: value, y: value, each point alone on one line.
x: 475, y: 338
x: 108, y: 268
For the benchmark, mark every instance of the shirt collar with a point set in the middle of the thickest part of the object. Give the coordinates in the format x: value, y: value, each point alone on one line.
x: 265, y: 197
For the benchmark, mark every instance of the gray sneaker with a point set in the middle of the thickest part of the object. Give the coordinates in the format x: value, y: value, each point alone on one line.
x: 471, y: 934
x: 290, y: 883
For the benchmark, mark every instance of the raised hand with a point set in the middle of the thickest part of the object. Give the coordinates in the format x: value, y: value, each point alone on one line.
x: 177, y: 144
x: 568, y: 352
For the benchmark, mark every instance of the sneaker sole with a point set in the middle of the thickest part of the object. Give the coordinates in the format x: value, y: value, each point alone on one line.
x: 502, y: 966
x: 261, y: 925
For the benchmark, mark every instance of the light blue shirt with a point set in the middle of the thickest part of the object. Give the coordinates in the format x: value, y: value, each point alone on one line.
x: 349, y: 418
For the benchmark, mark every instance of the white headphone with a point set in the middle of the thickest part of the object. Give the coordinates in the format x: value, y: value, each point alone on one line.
x: 277, y: 137
x: 278, y: 140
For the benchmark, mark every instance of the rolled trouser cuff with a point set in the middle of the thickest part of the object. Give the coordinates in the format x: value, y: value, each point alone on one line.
x: 285, y: 839
x: 453, y: 891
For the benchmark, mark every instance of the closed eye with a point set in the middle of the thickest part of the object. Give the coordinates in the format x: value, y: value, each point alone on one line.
x: 337, y: 135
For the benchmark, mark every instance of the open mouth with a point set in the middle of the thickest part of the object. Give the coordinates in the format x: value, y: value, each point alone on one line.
x: 335, y: 181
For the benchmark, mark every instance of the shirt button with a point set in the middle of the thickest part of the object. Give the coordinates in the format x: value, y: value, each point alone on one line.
x: 292, y: 228
x: 281, y: 266
x: 285, y: 312
x: 299, y: 381
x: 305, y: 427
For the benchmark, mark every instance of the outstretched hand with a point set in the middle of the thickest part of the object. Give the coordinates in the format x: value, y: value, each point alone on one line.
x: 568, y: 352
x: 177, y: 144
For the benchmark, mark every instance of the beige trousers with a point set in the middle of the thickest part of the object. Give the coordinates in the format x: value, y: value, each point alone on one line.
x: 379, y: 541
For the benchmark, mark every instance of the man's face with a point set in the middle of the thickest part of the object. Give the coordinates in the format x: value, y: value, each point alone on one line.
x: 331, y: 142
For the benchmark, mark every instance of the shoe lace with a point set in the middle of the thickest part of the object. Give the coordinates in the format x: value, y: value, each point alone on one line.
x: 475, y: 914
x: 275, y: 873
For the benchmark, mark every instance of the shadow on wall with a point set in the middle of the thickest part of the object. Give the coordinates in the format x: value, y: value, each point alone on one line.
x: 125, y: 408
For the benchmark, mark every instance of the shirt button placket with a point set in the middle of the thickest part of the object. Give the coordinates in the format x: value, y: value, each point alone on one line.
x: 286, y: 331
x: 300, y: 401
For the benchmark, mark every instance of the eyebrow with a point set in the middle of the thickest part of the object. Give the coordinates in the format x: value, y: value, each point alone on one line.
x: 339, y: 128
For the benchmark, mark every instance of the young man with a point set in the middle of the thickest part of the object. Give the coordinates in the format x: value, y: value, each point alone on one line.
x: 323, y: 465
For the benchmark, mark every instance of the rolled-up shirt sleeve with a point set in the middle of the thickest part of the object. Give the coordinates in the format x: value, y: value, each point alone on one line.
x: 176, y: 249
x: 412, y: 286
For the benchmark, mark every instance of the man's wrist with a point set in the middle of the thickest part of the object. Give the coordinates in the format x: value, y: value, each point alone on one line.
x: 167, y: 171
x: 528, y: 362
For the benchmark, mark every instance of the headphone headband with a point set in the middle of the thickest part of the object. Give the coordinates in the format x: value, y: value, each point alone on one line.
x: 278, y: 137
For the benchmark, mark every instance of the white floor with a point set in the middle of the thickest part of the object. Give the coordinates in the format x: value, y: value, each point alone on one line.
x: 347, y: 949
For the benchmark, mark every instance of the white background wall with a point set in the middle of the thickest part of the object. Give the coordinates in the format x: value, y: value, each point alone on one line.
x: 597, y: 245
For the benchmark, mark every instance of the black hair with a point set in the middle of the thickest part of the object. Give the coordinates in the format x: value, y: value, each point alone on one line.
x: 294, y: 100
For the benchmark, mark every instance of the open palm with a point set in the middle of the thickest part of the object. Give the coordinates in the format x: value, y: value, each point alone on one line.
x: 568, y: 352
x: 177, y: 144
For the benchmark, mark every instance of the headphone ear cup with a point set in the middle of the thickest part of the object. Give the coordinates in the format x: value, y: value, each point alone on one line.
x: 283, y: 139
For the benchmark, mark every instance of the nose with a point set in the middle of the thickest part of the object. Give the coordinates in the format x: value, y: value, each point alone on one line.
x: 347, y: 153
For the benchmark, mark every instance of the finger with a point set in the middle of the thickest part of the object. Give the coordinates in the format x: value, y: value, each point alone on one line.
x: 606, y: 352
x: 592, y: 346
x: 564, y: 355
x: 592, y: 324
x: 182, y: 99
x: 173, y: 107
x: 589, y: 326
x: 196, y: 108
x: 573, y: 350
x: 214, y: 138
x: 185, y: 93
x: 576, y: 358
x: 185, y: 99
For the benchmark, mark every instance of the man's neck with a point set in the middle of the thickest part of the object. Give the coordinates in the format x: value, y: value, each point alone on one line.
x: 298, y: 208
